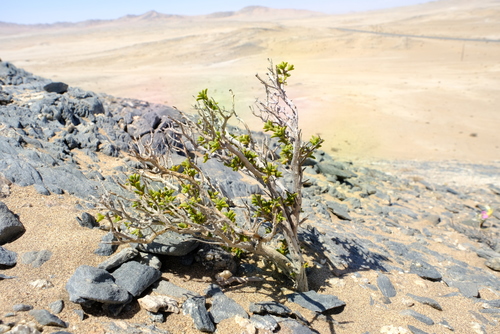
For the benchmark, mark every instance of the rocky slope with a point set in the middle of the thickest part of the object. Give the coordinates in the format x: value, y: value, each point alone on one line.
x: 393, y: 247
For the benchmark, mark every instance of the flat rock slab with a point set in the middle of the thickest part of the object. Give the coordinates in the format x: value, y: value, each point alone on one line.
x: 316, y: 302
x: 135, y: 277
x: 195, y: 307
x: 37, y: 258
x: 420, y: 317
x: 119, y: 258
x: 170, y: 243
x: 426, y: 301
x: 385, y: 286
x: 425, y: 271
x: 89, y: 283
x: 270, y: 307
x: 45, y: 318
x: 223, y: 307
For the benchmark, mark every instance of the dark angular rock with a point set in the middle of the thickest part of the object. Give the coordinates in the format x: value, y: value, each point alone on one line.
x: 195, y: 307
x: 105, y: 246
x: 215, y: 258
x: 316, y: 302
x: 89, y: 283
x: 45, y: 318
x: 385, y: 286
x: 156, y: 317
x: 426, y: 301
x: 57, y: 306
x: 425, y: 270
x: 7, y: 258
x: 270, y: 307
x: 121, y: 257
x: 56, y: 87
x: 10, y: 226
x: 420, y: 317
x: 170, y: 243
x: 87, y: 220
x: 135, y: 277
x: 37, y: 258
x: 223, y: 307
x: 5, y: 98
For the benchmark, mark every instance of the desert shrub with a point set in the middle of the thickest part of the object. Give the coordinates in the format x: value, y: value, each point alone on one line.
x: 181, y: 198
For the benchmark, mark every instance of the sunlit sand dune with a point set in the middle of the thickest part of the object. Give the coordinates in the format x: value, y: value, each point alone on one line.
x: 375, y: 85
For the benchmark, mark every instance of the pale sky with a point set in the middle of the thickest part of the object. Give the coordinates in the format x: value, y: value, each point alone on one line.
x: 51, y: 11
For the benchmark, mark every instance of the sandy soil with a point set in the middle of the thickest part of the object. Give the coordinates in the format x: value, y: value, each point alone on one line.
x: 368, y: 95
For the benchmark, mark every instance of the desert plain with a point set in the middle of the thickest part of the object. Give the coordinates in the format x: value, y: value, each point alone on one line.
x: 418, y: 82
x: 415, y: 83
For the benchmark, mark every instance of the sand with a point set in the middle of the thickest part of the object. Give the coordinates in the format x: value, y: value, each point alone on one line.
x: 370, y: 96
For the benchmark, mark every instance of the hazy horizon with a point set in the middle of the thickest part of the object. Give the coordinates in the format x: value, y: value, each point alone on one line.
x: 51, y: 11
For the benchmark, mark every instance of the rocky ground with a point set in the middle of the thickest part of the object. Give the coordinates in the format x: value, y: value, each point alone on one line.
x: 393, y: 246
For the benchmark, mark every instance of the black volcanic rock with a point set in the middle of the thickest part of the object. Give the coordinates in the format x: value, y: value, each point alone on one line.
x: 56, y: 87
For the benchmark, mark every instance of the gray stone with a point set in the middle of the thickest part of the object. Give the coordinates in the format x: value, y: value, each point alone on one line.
x: 2, y: 276
x: 57, y: 306
x: 106, y: 248
x: 156, y: 316
x: 20, y: 173
x: 426, y: 301
x: 339, y: 210
x: 468, y: 289
x: 119, y: 258
x: 265, y: 322
x: 45, y: 318
x: 385, y: 286
x: 420, y: 317
x: 425, y: 270
x: 56, y: 87
x: 89, y: 283
x: 172, y: 290
x: 22, y: 308
x: 135, y: 277
x: 332, y: 170
x: 37, y: 258
x: 10, y: 226
x: 493, y: 263
x: 316, y: 302
x: 151, y: 260
x: 7, y: 258
x: 195, y: 307
x: 223, y: 307
x: 270, y: 307
x: 170, y: 243
x: 215, y: 258
x: 493, y: 303
x: 87, y: 220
